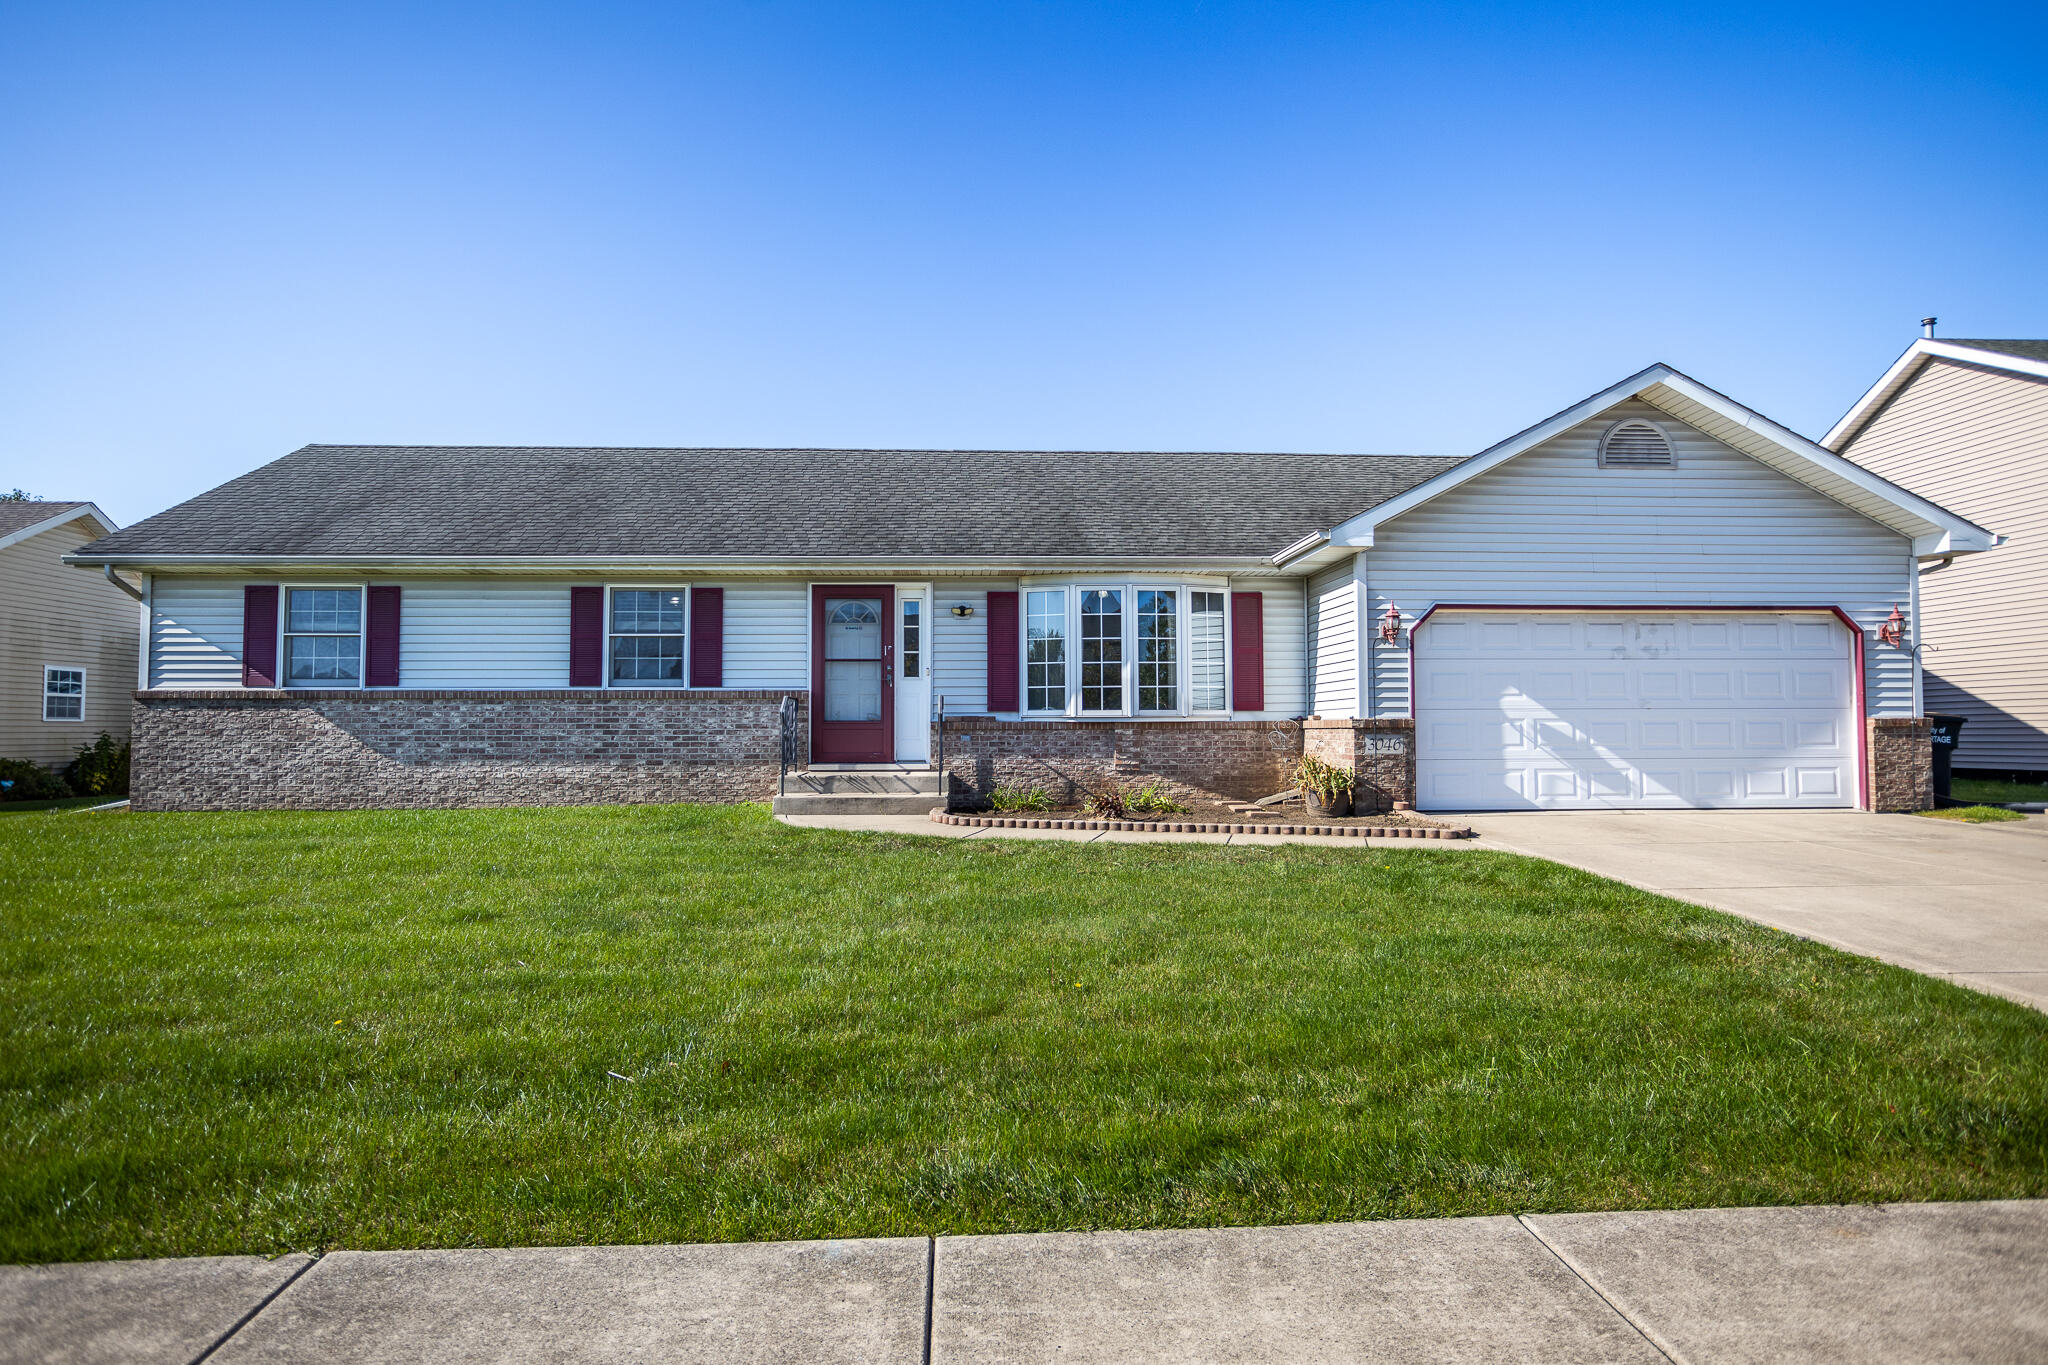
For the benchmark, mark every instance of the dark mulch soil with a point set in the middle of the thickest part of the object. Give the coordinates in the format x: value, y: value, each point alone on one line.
x: 1289, y: 813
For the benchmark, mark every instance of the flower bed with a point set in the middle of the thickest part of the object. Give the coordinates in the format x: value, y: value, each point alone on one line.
x: 1354, y: 828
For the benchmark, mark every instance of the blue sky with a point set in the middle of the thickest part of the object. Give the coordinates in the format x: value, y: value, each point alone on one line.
x: 229, y: 231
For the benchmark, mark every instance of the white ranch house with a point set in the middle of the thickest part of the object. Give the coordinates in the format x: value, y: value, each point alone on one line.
x: 1656, y: 597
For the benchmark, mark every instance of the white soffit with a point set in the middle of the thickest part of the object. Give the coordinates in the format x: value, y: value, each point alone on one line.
x: 1906, y: 366
x: 1933, y: 530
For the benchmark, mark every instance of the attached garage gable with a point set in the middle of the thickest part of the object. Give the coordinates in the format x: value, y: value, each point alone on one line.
x: 1588, y: 709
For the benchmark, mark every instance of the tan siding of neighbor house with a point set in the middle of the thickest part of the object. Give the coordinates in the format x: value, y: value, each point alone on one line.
x: 52, y: 614
x: 1975, y: 440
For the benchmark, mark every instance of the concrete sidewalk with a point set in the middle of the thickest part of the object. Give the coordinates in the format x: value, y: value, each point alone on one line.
x: 1899, y: 1283
x: 1964, y: 902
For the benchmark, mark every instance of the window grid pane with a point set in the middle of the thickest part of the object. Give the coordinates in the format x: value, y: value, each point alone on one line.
x: 1158, y: 651
x: 1045, y: 651
x: 323, y: 637
x: 63, y: 694
x: 647, y: 636
x: 912, y: 616
x: 1205, y: 652
x: 1102, y: 650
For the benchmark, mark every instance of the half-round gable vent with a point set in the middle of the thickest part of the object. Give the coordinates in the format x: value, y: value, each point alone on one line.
x: 1635, y: 445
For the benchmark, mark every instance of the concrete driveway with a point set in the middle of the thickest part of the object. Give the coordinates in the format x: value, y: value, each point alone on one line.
x: 1966, y: 902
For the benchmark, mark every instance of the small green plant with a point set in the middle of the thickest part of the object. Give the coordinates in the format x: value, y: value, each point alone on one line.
x: 1020, y: 798
x: 101, y: 768
x: 21, y: 780
x: 1326, y: 781
x: 1149, y: 800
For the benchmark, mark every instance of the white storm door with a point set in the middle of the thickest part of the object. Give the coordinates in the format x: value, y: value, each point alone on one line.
x: 1617, y: 710
x: 913, y: 672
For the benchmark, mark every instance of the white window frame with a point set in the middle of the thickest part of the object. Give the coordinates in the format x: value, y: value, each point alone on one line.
x: 78, y: 719
x: 285, y: 634
x: 1078, y: 586
x: 629, y: 684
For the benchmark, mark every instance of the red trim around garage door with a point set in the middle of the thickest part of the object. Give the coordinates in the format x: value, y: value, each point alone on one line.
x: 1665, y: 608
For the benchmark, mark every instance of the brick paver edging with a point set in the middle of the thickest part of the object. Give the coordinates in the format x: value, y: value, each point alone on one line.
x: 945, y: 817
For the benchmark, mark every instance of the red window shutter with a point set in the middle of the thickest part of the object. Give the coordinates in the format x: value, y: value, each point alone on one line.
x: 1247, y: 651
x: 259, y: 635
x: 380, y: 629
x: 1002, y: 651
x: 707, y: 637
x: 586, y: 637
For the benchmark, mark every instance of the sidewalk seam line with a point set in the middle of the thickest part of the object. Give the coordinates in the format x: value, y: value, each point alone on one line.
x: 250, y: 1316
x: 931, y: 1268
x: 1670, y: 1353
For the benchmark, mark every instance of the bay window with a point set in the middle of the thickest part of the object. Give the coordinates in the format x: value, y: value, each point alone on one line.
x: 1154, y: 649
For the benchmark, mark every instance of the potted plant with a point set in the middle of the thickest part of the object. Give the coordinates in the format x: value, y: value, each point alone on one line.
x: 1325, y: 789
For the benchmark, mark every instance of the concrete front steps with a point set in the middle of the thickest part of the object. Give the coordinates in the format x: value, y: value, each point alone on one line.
x: 862, y: 789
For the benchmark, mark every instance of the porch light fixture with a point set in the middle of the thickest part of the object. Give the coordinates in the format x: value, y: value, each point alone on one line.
x: 962, y: 609
x: 1893, y: 631
x: 1390, y: 625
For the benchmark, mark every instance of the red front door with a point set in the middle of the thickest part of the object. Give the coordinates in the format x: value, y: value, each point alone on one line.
x: 853, y: 674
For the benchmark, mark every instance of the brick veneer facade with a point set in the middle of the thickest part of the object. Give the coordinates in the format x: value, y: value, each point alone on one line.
x: 1380, y: 753
x: 1239, y: 760
x: 1901, y: 753
x: 326, y: 750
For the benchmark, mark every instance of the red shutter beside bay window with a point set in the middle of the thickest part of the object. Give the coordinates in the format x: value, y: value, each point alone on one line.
x: 1002, y: 651
x: 380, y: 631
x: 1247, y: 651
x: 586, y: 637
x: 707, y: 637
x: 259, y: 635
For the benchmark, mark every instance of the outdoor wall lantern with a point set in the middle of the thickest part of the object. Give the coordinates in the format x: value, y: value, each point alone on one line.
x: 1893, y: 631
x: 961, y: 609
x: 1390, y: 625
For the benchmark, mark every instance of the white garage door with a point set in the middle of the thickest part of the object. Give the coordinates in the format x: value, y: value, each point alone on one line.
x: 1556, y: 710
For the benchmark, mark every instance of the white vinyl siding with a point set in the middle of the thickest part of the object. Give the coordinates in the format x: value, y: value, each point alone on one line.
x: 1553, y: 528
x: 1333, y: 622
x: 767, y: 635
x: 474, y: 633
x: 959, y: 665
x: 1286, y: 644
x: 195, y: 636
x: 1975, y: 440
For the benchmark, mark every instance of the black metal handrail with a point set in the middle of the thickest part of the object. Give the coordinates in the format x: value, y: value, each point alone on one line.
x: 787, y: 712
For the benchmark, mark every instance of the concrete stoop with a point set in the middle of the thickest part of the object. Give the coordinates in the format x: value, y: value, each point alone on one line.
x: 862, y: 789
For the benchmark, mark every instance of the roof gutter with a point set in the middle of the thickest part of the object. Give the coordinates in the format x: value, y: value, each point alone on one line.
x: 123, y: 584
x: 748, y: 564
x: 1308, y: 544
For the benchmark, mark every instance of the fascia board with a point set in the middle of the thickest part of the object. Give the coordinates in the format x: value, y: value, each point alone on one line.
x: 741, y: 565
x: 1967, y: 536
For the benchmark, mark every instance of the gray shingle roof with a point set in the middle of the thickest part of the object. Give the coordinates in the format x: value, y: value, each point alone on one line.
x: 544, y: 501
x: 2026, y: 350
x: 15, y: 515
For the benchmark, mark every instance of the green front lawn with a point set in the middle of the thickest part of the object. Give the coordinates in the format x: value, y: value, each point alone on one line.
x: 1979, y: 789
x: 61, y: 803
x: 246, y: 1033
x: 1975, y: 815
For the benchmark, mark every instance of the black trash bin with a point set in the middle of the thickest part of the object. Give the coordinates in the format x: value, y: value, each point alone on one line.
x: 1948, y: 732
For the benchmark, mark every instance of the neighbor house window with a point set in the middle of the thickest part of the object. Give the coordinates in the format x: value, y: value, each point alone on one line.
x: 1158, y: 650
x: 63, y: 693
x: 1205, y: 652
x: 323, y: 637
x: 1102, y: 649
x: 1045, y: 651
x: 647, y: 636
x: 913, y: 616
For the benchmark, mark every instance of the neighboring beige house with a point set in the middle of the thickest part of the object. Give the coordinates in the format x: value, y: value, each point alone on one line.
x: 1965, y: 423
x: 67, y: 635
